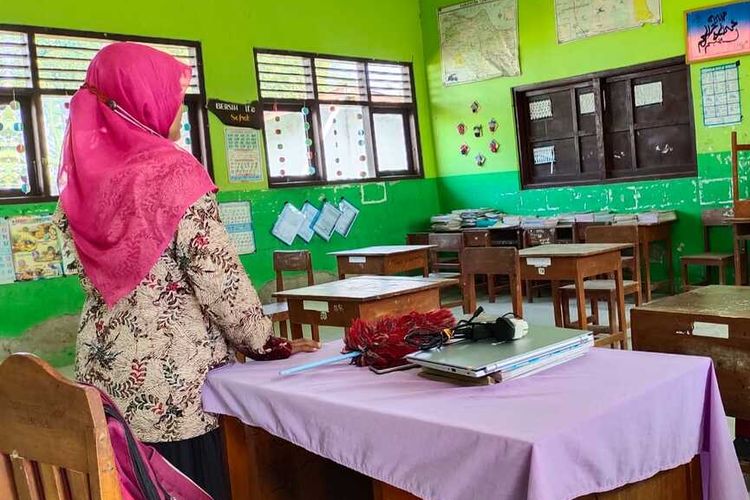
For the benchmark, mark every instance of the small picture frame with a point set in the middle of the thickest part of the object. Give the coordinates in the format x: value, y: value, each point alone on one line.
x: 717, y: 32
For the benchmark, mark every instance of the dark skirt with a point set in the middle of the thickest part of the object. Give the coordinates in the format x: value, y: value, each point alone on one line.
x: 202, y: 460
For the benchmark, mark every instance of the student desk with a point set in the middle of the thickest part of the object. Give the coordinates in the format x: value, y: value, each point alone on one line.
x: 575, y: 262
x: 653, y: 233
x: 667, y: 325
x: 338, y: 303
x: 595, y: 424
x: 383, y: 260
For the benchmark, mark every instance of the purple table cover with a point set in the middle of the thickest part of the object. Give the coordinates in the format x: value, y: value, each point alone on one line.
x: 594, y: 424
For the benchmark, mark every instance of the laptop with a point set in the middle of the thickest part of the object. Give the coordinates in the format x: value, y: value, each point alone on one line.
x: 542, y: 346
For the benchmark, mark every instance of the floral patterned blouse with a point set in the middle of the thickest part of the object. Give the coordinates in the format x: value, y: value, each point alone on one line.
x: 152, y: 350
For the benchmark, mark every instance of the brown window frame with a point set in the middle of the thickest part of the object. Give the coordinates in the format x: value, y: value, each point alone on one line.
x: 407, y: 110
x: 596, y: 83
x: 33, y: 120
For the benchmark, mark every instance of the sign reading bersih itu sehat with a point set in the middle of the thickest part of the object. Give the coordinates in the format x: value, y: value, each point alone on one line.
x: 237, y: 115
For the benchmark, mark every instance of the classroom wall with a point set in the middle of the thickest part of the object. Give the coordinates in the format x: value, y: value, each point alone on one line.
x: 497, y: 184
x: 228, y: 31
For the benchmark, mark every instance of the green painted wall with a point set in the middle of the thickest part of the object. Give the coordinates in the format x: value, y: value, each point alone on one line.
x: 463, y: 184
x: 228, y: 31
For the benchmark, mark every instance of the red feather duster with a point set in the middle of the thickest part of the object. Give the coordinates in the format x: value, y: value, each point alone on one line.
x: 381, y: 342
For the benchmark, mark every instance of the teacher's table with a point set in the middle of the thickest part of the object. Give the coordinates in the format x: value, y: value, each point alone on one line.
x: 576, y: 262
x: 338, y: 303
x: 383, y: 260
x: 595, y: 424
x: 649, y: 234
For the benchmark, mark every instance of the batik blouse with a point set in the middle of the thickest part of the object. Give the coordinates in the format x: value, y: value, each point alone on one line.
x: 152, y: 350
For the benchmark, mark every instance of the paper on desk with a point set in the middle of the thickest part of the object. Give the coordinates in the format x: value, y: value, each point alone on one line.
x: 288, y: 223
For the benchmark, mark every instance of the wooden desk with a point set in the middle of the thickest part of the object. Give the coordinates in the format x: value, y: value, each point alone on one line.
x: 648, y: 234
x: 383, y: 260
x: 740, y: 237
x: 265, y: 467
x: 666, y: 325
x: 575, y: 262
x: 338, y: 303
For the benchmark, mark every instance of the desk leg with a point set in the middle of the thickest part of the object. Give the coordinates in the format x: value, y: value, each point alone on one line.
x: 670, y: 264
x: 646, y: 259
x: 739, y: 258
x: 622, y: 319
x: 583, y: 317
x: 425, y: 265
x: 296, y: 330
x: 555, y: 286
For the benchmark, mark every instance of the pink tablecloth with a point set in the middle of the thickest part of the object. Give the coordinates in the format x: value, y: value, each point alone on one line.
x: 594, y: 424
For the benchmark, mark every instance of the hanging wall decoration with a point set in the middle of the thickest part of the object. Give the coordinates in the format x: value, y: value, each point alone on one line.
x: 494, y: 146
x: 477, y: 131
x: 480, y: 159
x: 492, y: 125
x: 461, y: 128
x: 464, y: 149
x: 475, y: 107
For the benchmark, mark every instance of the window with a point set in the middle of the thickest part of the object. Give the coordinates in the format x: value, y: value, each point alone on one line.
x: 40, y: 69
x: 626, y: 124
x: 331, y: 119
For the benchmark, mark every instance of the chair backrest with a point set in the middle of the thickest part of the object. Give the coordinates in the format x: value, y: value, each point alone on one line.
x: 477, y: 238
x: 618, y: 233
x: 534, y: 237
x: 446, y: 243
x: 503, y: 261
x: 715, y: 217
x: 741, y: 207
x: 54, y: 442
x: 418, y: 239
x: 579, y: 230
x: 289, y: 261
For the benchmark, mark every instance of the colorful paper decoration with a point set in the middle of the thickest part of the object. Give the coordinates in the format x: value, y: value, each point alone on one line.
x: 464, y: 149
x: 474, y: 107
x: 461, y: 128
x: 480, y: 159
x: 494, y: 146
x: 718, y: 32
x: 492, y: 125
x: 477, y: 131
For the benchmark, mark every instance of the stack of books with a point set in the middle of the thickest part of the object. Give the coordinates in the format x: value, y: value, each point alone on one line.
x: 657, y: 216
x: 512, y: 220
x: 584, y: 217
x: 566, y: 219
x: 626, y: 219
x: 604, y: 217
x: 447, y: 222
x: 538, y: 222
x: 479, y: 217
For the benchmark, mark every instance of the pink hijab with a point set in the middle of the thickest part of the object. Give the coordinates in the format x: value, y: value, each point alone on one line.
x: 125, y: 189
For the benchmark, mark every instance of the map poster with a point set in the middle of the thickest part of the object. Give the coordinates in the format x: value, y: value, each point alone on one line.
x: 36, y: 247
x: 243, y: 154
x: 718, y: 32
x: 578, y: 19
x: 479, y: 41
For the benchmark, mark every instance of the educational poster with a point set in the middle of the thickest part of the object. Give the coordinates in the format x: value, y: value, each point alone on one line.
x: 238, y: 219
x: 479, y: 40
x: 306, y: 229
x: 718, y: 32
x: 243, y: 154
x: 326, y: 222
x: 288, y: 223
x: 578, y: 19
x: 36, y: 247
x: 7, y: 273
x: 349, y: 214
x: 720, y: 93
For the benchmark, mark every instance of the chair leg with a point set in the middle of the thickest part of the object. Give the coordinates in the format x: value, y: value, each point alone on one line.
x: 565, y: 306
x: 612, y: 312
x: 684, y: 273
x: 722, y: 277
x: 315, y: 333
x: 491, y: 287
x: 282, y: 329
x: 594, y: 311
x: 529, y: 291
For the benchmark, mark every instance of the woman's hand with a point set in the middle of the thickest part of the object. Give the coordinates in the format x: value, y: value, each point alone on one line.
x: 304, y: 345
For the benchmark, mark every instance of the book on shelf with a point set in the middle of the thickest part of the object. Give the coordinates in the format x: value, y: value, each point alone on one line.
x: 657, y: 216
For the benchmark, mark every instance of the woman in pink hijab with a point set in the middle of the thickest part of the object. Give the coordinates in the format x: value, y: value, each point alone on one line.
x: 167, y: 298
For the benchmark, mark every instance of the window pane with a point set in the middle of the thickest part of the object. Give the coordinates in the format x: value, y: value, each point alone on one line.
x: 389, y: 82
x: 390, y: 142
x: 15, y: 67
x: 288, y: 144
x: 345, y: 142
x: 284, y: 76
x: 13, y: 162
x: 56, y: 110
x: 339, y: 80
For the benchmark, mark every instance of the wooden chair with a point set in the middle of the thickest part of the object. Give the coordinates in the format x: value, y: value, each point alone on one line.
x: 741, y: 207
x: 445, y: 258
x: 533, y: 237
x: 494, y: 261
x: 418, y: 239
x: 579, y: 230
x: 483, y: 238
x: 289, y: 261
x: 710, y: 260
x: 54, y: 442
x: 603, y: 290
